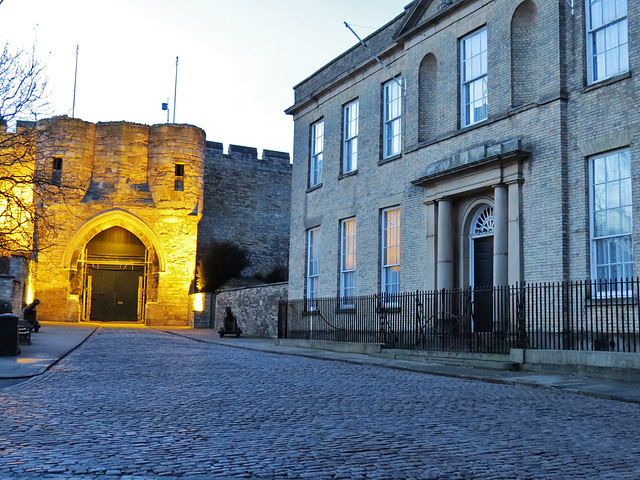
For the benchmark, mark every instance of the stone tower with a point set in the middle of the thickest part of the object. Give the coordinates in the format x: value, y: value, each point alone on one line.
x: 126, y: 231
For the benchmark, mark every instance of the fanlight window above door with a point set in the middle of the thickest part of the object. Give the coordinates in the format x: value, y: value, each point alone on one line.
x: 484, y: 223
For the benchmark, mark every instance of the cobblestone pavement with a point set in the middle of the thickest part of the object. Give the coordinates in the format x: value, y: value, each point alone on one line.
x: 143, y: 404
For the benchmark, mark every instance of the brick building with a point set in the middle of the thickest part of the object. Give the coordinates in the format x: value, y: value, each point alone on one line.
x: 499, y: 145
x: 140, y: 201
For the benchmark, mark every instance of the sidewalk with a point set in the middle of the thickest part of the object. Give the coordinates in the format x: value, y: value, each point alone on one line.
x: 50, y: 344
x: 56, y: 340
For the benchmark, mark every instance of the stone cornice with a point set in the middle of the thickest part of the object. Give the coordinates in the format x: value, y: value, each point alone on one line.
x: 344, y: 77
x: 503, y: 153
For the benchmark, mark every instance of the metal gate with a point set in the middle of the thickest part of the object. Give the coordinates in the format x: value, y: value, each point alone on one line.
x: 282, y: 319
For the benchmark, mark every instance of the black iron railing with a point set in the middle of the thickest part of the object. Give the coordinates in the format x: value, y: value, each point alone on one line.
x: 560, y: 316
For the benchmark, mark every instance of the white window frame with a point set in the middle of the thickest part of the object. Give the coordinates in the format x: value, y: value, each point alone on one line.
x: 390, y: 250
x: 351, y: 114
x: 473, y: 78
x: 313, y: 266
x: 607, y: 39
x: 610, y: 197
x: 317, y: 147
x: 392, y: 114
x: 348, y: 262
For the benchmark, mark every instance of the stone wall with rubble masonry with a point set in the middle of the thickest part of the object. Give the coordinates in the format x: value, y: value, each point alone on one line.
x: 255, y: 308
x: 127, y: 170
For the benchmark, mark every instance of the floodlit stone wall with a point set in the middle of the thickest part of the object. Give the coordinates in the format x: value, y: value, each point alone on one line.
x: 150, y: 181
x: 122, y: 175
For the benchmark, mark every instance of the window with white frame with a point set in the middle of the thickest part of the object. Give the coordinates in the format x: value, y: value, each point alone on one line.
x: 611, y: 216
x: 473, y: 77
x: 350, y: 135
x: 392, y: 131
x: 347, y: 262
x: 317, y: 146
x: 313, y: 266
x: 390, y: 274
x: 607, y: 39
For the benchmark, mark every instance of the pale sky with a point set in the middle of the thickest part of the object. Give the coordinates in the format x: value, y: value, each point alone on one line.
x: 238, y: 60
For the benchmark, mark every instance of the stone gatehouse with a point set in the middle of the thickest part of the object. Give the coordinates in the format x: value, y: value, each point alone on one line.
x: 139, y: 206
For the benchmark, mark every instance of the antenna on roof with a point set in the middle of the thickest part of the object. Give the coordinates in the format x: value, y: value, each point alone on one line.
x: 376, y: 57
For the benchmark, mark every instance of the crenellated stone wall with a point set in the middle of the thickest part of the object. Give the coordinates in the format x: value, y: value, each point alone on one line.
x: 247, y: 201
x: 122, y: 176
x: 162, y: 186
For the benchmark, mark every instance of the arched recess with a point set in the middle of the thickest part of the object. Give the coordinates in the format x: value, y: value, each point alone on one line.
x: 479, y: 229
x: 525, y: 51
x: 105, y: 220
x: 427, y: 99
x: 474, y: 212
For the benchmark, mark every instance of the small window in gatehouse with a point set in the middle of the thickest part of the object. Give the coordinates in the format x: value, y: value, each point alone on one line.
x: 56, y: 173
x: 178, y: 185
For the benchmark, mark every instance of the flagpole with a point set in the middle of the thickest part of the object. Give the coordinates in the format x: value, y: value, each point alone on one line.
x: 75, y: 80
x: 175, y: 91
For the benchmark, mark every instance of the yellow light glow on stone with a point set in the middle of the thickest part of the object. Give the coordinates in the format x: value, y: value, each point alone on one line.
x: 198, y: 302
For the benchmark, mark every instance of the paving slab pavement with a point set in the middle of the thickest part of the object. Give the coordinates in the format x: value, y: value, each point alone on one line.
x: 53, y: 342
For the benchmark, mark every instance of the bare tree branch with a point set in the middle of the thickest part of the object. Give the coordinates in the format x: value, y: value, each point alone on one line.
x: 27, y: 183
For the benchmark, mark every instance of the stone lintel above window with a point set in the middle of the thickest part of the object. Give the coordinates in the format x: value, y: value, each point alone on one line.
x: 510, y: 152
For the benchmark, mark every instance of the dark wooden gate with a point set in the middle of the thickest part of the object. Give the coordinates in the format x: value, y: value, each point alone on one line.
x: 114, y: 295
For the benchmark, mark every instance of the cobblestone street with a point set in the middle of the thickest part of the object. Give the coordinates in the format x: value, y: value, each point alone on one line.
x: 141, y: 404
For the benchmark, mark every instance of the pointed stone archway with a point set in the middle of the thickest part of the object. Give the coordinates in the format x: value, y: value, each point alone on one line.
x: 114, y: 277
x: 100, y: 251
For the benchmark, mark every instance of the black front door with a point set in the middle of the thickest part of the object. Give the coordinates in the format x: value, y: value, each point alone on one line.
x: 114, y: 295
x: 483, y: 284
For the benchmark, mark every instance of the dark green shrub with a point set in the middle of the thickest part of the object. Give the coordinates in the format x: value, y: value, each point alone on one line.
x: 277, y: 275
x: 222, y: 261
